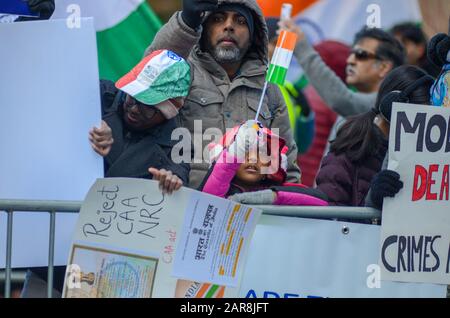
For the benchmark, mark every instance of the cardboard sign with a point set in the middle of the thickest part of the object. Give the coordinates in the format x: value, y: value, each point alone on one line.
x: 133, y: 241
x: 415, y: 241
x: 50, y: 99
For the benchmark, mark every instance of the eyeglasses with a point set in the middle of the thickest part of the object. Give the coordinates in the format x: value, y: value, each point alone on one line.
x: 363, y: 55
x: 146, y: 111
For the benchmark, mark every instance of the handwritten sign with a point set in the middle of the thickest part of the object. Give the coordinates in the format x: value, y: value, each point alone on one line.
x: 415, y: 243
x: 128, y: 230
x: 129, y: 215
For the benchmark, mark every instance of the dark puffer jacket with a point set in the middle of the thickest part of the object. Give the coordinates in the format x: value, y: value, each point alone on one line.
x: 346, y: 183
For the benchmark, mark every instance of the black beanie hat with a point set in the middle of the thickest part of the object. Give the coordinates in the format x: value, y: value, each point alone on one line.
x: 242, y: 10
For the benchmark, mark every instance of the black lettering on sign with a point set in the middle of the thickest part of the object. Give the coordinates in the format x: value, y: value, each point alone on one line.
x: 403, y: 122
x: 410, y: 248
x: 387, y: 242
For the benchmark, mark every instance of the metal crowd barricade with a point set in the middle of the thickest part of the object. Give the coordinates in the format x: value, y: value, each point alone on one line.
x: 52, y: 207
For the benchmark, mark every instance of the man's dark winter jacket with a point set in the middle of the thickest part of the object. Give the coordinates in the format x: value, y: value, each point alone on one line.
x: 132, y: 153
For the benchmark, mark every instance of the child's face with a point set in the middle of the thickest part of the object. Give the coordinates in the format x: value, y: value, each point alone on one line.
x: 250, y: 172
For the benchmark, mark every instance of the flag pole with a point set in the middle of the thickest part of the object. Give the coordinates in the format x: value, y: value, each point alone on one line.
x: 261, y: 100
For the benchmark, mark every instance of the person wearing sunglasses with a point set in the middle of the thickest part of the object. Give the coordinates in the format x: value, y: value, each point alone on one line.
x: 375, y: 53
x: 139, y: 114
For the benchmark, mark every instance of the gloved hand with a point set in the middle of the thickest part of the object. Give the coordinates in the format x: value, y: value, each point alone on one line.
x: 263, y: 197
x: 44, y: 7
x: 247, y: 139
x: 194, y: 10
x: 386, y: 183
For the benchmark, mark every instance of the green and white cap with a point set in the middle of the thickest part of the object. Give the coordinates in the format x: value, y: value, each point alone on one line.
x: 160, y: 76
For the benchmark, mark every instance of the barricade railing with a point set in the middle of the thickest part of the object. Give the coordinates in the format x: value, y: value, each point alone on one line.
x: 52, y: 207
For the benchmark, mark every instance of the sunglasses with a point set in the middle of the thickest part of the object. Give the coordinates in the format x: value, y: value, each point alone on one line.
x: 146, y: 111
x: 363, y: 55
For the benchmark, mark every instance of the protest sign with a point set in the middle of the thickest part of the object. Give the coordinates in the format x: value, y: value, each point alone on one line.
x: 50, y: 99
x: 292, y: 257
x: 133, y: 241
x: 415, y: 240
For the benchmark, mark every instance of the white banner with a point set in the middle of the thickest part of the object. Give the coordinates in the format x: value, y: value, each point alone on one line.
x: 49, y: 94
x: 416, y: 223
x: 299, y: 258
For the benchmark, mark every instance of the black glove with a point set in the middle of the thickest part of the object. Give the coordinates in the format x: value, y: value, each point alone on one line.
x: 386, y: 183
x: 44, y: 7
x: 193, y: 11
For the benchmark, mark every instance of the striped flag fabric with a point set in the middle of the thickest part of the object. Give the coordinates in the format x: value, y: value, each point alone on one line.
x: 210, y: 291
x: 281, y: 58
x: 125, y: 28
x: 159, y: 76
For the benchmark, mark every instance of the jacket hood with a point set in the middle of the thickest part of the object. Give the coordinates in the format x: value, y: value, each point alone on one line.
x: 260, y: 36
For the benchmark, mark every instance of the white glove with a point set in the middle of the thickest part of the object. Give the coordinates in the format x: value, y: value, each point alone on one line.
x: 247, y: 139
x: 263, y: 197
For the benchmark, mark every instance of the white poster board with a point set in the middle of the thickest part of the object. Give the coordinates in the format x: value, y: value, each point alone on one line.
x: 49, y: 100
x: 305, y: 258
x: 133, y: 241
x: 416, y: 223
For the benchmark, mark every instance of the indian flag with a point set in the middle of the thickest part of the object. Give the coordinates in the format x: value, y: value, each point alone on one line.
x: 210, y: 291
x: 341, y: 19
x: 281, y: 58
x: 124, y: 28
x: 156, y: 70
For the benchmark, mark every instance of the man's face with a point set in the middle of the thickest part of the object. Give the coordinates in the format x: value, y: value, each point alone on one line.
x: 228, y: 36
x: 365, y: 70
x: 140, y: 117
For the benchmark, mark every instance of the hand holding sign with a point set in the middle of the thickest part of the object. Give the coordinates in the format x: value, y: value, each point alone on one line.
x: 168, y: 182
x: 386, y: 183
x: 101, y: 139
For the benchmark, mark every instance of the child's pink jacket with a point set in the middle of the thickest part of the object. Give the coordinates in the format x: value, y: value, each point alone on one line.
x: 224, y: 171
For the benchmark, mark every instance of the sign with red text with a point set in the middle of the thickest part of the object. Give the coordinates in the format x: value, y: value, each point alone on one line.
x: 415, y: 236
x: 129, y: 234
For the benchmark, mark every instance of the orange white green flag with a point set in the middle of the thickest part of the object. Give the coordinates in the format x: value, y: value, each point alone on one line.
x: 281, y: 58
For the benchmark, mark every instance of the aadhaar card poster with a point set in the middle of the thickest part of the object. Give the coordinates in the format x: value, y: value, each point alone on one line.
x: 415, y: 239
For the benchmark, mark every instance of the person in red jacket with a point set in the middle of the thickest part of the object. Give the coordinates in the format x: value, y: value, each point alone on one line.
x: 242, y: 172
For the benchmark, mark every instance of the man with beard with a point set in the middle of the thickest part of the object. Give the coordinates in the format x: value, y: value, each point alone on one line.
x: 226, y: 44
